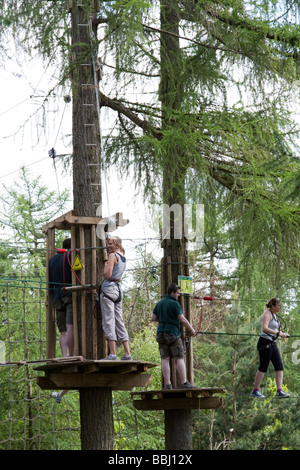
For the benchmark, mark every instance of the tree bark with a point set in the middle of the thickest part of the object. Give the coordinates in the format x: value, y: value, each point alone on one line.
x: 178, y: 433
x: 97, y: 429
x: 96, y: 414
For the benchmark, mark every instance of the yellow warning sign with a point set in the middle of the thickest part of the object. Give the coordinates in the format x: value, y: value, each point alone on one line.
x: 77, y: 265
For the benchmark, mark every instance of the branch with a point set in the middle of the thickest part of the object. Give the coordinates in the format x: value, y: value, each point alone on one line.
x: 120, y: 108
x: 208, y: 46
x: 269, y: 34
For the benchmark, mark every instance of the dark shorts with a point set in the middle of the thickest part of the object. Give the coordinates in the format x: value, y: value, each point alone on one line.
x: 64, y: 314
x: 268, y: 352
x: 170, y: 346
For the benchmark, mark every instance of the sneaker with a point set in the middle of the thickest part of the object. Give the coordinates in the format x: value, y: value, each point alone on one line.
x: 257, y: 394
x: 110, y: 357
x: 168, y: 387
x: 56, y: 397
x: 187, y: 384
x: 126, y: 358
x: 281, y: 394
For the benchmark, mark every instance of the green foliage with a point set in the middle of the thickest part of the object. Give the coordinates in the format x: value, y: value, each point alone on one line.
x: 145, y: 429
x: 33, y: 205
x: 206, y: 117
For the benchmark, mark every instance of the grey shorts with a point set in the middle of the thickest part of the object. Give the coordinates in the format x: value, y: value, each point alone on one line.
x: 170, y: 346
x: 64, y: 314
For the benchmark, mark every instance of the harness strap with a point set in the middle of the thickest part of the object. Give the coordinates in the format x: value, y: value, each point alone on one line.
x: 269, y: 345
x: 108, y: 297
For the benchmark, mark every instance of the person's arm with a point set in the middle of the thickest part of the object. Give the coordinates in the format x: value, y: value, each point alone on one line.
x: 154, y: 317
x: 109, y: 265
x: 186, y: 324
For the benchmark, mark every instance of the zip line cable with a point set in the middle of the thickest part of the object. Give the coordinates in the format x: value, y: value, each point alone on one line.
x: 219, y: 299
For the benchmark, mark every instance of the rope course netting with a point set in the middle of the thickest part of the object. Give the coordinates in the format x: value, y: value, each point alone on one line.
x: 30, y: 419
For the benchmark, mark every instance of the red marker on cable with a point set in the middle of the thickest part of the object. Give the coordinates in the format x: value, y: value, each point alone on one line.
x: 201, y: 312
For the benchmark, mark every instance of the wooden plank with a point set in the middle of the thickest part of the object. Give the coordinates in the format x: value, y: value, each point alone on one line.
x: 67, y: 359
x: 50, y: 312
x: 116, y: 382
x: 94, y: 281
x: 83, y: 293
x: 180, y: 392
x: 59, y: 222
x: 70, y: 218
x: 66, y: 221
x: 100, y: 364
x: 127, y: 369
x: 45, y: 383
x: 86, y: 287
x: 203, y: 403
x: 74, y: 297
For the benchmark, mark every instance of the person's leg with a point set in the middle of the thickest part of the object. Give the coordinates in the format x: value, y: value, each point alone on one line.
x: 265, y: 354
x: 258, y: 379
x: 112, y: 347
x: 126, y: 348
x: 63, y: 343
x: 181, y: 369
x: 279, y: 379
x: 108, y: 323
x: 70, y: 329
x: 62, y: 327
x: 70, y: 339
x: 165, y: 369
x: 121, y: 331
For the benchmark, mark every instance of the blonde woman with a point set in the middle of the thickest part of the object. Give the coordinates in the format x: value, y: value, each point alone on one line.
x: 111, y: 299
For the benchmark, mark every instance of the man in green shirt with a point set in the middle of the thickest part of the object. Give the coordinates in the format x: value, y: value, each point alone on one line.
x: 167, y: 312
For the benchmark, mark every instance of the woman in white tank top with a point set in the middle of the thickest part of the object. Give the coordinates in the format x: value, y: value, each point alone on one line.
x: 268, y: 349
x: 111, y: 300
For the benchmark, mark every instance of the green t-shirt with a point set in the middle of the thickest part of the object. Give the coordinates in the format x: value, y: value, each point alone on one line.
x: 167, y: 311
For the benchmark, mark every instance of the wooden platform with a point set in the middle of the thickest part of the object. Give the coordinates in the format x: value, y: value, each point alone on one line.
x: 77, y: 372
x: 178, y: 399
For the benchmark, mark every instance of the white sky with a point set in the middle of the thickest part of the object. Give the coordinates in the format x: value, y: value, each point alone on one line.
x: 23, y: 88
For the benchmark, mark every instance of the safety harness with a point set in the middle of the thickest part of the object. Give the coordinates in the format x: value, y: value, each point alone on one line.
x: 119, y: 298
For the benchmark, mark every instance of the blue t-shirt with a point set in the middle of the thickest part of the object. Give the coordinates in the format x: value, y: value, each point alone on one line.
x: 60, y: 274
x: 167, y: 311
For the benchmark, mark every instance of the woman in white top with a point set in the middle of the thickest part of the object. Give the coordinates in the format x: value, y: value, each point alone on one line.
x: 268, y: 349
x: 111, y: 299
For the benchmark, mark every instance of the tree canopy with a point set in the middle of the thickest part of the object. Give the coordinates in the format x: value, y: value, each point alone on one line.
x: 199, y: 98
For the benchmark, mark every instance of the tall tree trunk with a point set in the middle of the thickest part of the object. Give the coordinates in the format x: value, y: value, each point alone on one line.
x: 175, y: 261
x: 95, y: 403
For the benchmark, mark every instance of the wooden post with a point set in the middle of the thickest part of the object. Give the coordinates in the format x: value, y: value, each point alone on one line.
x: 50, y: 312
x: 74, y: 296
x: 95, y: 401
x: 178, y: 432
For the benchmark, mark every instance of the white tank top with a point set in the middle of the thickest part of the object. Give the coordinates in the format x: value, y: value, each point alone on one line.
x: 274, y: 325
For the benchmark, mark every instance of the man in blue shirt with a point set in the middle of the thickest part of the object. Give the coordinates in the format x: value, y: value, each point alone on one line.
x: 60, y: 276
x: 167, y: 312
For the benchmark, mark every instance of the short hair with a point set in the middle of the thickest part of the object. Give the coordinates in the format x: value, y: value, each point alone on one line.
x: 273, y: 302
x: 172, y: 288
x: 67, y: 244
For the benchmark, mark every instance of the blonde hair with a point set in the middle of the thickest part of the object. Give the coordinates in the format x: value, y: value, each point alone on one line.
x: 118, y: 242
